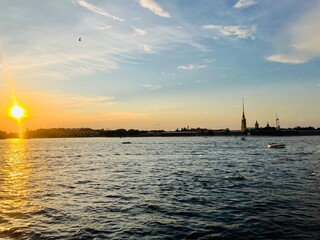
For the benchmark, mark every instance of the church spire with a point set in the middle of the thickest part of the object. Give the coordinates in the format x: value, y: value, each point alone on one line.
x: 243, y: 120
x: 243, y: 108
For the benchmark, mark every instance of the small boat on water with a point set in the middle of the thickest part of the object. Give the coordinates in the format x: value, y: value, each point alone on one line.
x: 276, y: 145
x: 126, y: 142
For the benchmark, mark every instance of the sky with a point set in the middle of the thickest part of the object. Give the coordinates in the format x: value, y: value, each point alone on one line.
x: 160, y: 64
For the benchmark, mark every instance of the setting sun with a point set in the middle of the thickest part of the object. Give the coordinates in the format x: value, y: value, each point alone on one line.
x: 17, y: 112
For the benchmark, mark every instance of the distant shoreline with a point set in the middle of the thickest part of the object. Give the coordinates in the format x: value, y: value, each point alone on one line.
x: 118, y: 133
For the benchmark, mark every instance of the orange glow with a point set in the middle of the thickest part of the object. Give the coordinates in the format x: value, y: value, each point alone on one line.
x: 17, y: 112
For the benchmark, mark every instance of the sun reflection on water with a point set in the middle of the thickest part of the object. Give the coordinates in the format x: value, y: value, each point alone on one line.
x: 14, y: 186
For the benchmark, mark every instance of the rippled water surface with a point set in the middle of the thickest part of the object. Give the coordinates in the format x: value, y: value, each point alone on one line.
x: 160, y: 188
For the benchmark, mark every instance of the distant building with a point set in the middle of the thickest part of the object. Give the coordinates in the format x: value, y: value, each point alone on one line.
x: 243, y: 120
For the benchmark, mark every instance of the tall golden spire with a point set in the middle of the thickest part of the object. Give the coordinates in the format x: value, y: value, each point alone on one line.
x: 243, y: 120
x: 243, y: 108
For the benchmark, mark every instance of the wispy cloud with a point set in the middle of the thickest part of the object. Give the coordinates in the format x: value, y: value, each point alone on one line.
x: 290, y: 58
x: 233, y: 31
x: 139, y: 31
x: 87, y: 103
x: 208, y: 61
x: 158, y: 86
x: 304, y: 40
x: 244, y: 3
x: 99, y: 51
x: 152, y: 87
x: 103, y: 27
x: 171, y: 74
x: 69, y: 103
x: 154, y: 7
x: 200, y: 81
x: 147, y: 47
x: 61, y: 109
x: 191, y: 67
x: 202, y: 64
x: 97, y: 10
x: 58, y: 55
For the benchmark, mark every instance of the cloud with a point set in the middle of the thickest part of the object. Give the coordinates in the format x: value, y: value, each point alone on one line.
x: 139, y: 31
x: 152, y: 87
x: 287, y: 58
x: 191, y: 67
x: 103, y: 27
x: 200, y: 81
x: 147, y: 47
x: 154, y: 7
x: 69, y: 103
x: 57, y: 55
x: 61, y: 109
x: 303, y: 43
x: 99, y: 51
x: 97, y: 10
x: 155, y: 87
x: 202, y: 64
x: 233, y: 31
x: 171, y: 74
x: 244, y: 3
x: 208, y: 61
x: 94, y: 104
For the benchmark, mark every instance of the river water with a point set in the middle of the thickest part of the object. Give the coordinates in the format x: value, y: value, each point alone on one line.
x: 160, y: 188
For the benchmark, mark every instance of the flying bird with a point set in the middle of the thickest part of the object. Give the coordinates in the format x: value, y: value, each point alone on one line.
x: 80, y: 39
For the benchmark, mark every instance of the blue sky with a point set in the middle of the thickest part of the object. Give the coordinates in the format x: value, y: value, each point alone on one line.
x: 160, y: 64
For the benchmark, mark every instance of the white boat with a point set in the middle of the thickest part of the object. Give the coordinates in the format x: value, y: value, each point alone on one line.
x: 276, y: 145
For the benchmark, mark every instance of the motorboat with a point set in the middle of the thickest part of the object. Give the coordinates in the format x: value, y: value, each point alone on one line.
x: 276, y: 145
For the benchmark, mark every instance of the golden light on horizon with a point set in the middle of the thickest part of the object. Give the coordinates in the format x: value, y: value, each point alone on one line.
x: 17, y: 112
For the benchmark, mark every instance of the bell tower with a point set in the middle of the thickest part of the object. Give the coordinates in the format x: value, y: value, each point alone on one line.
x: 243, y: 120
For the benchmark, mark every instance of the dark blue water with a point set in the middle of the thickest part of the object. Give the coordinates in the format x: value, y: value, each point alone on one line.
x: 160, y: 188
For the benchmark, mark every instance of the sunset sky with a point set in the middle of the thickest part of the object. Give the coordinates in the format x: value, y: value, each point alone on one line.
x: 160, y: 64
